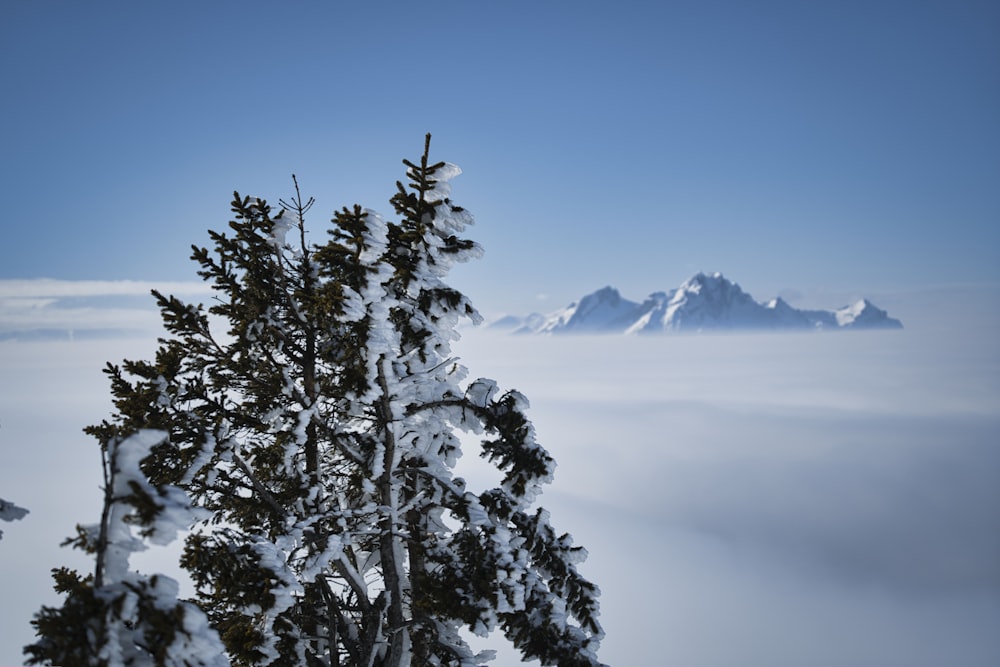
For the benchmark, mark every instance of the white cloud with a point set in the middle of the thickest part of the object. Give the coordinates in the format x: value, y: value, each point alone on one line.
x: 29, y: 308
x: 52, y: 288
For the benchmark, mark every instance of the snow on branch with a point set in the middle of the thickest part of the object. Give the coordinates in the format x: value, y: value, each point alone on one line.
x: 10, y: 512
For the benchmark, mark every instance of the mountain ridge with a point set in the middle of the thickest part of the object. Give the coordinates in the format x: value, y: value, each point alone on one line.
x: 704, y: 302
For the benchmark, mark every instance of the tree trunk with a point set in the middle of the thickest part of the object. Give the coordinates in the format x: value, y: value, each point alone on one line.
x: 391, y: 548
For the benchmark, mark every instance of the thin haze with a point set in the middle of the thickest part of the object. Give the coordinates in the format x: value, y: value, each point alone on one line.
x: 849, y: 146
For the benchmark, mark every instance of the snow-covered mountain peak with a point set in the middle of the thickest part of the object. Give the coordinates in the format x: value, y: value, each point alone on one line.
x: 701, y: 303
x: 711, y: 302
x: 701, y: 279
x: 606, y: 294
x: 864, y: 314
x: 596, y: 312
x: 700, y: 283
x: 777, y: 303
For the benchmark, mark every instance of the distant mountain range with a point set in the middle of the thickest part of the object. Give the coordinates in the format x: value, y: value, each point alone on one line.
x: 701, y: 303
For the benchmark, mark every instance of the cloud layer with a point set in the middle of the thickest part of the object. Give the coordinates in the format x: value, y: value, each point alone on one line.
x: 62, y: 309
x: 775, y: 500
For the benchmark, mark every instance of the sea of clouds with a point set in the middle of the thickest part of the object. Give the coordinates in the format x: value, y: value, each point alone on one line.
x: 766, y: 499
x: 783, y: 499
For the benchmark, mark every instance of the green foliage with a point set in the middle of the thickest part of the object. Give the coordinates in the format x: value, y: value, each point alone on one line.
x: 67, y: 632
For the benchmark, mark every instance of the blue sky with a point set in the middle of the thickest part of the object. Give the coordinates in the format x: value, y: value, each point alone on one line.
x: 847, y: 147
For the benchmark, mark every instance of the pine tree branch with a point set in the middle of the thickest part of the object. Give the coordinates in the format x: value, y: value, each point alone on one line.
x: 265, y: 495
x: 102, y: 538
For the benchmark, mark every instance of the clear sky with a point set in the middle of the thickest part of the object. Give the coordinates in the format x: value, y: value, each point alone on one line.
x: 850, y: 146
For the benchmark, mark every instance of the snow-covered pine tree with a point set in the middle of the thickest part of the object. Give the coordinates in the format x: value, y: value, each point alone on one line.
x: 320, y: 433
x: 119, y: 618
